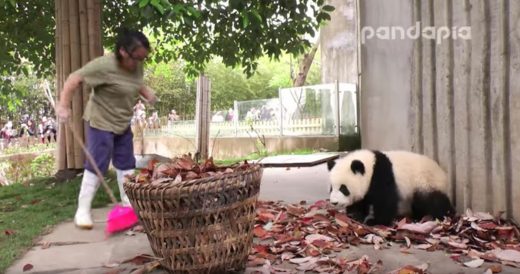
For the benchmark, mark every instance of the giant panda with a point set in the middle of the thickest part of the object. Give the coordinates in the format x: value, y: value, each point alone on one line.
x: 378, y: 186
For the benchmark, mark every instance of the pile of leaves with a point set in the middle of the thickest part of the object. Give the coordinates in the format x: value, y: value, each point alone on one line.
x: 308, y: 236
x: 183, y: 168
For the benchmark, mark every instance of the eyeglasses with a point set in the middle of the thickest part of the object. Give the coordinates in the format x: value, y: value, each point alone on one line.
x: 132, y: 56
x: 136, y: 58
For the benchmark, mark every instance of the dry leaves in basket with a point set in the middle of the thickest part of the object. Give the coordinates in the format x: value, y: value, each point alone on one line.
x: 309, y: 236
x: 181, y: 169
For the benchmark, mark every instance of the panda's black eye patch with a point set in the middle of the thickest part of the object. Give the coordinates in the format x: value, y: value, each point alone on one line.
x: 357, y: 167
x: 344, y: 190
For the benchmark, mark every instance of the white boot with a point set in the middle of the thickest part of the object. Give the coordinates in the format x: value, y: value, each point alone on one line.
x: 89, y: 186
x: 120, y: 180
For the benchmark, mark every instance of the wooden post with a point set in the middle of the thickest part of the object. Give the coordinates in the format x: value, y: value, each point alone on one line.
x: 202, y: 117
x: 235, y: 117
x: 78, y: 40
x: 75, y: 63
x: 281, y: 110
x: 338, y: 113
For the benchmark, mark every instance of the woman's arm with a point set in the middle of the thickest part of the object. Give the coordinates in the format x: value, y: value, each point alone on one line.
x: 148, y: 94
x: 71, y: 85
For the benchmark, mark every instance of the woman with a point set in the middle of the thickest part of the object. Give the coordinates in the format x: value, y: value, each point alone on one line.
x: 117, y: 81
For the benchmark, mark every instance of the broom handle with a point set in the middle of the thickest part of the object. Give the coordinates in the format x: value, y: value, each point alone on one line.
x: 92, y: 162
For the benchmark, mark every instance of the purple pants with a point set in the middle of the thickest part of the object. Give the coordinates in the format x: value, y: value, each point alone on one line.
x: 105, y: 146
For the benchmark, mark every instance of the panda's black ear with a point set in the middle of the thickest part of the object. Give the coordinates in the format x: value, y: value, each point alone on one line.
x: 331, y: 164
x: 357, y: 167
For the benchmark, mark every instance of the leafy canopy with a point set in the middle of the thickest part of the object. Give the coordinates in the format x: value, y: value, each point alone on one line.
x: 193, y: 30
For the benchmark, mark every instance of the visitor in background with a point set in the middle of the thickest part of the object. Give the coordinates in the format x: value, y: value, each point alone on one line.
x: 7, y: 132
x: 172, y: 117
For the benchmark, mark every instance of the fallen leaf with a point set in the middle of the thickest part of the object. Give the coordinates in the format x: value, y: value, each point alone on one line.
x: 496, y: 268
x: 342, y: 219
x: 405, y: 251
x: 259, y: 232
x: 27, y: 267
x: 313, y: 237
x: 423, y: 246
x: 191, y: 175
x: 301, y: 260
x: 476, y: 227
x: 161, y: 181
x: 256, y: 262
x: 140, y: 259
x: 9, y: 232
x: 408, y: 269
x: 46, y: 245
x: 408, y: 242
x: 287, y: 255
x: 138, y: 228
x: 483, y: 216
x: 177, y: 179
x: 475, y: 263
x: 308, y: 265
x: 507, y: 255
x: 423, y: 228
x: 110, y: 265
x: 487, y: 225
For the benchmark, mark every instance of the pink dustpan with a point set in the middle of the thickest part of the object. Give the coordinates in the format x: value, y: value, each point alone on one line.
x: 120, y: 218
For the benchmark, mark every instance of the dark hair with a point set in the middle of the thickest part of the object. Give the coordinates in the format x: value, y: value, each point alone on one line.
x: 129, y: 40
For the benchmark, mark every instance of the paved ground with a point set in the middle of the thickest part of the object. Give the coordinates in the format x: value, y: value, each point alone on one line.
x: 79, y: 251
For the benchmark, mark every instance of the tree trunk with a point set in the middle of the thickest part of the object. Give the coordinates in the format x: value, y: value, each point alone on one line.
x: 305, y: 66
x: 78, y: 40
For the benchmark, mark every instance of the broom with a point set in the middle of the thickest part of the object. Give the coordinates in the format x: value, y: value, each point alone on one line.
x: 120, y: 217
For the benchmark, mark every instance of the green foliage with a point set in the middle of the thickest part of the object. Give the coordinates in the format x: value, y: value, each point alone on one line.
x: 38, y: 147
x: 23, y: 95
x: 227, y: 84
x: 195, y: 31
x: 238, y: 31
x: 43, y: 165
x: 173, y: 89
x: 27, y: 36
x: 17, y: 171
x: 24, y: 168
x: 230, y: 84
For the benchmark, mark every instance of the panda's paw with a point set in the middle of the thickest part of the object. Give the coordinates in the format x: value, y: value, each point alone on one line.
x: 370, y: 221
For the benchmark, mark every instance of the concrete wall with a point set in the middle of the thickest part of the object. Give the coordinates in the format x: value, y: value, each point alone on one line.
x: 386, y: 67
x: 455, y: 100
x: 225, y: 148
x: 339, y: 44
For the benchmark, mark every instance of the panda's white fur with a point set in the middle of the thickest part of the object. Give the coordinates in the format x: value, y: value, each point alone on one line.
x: 412, y: 173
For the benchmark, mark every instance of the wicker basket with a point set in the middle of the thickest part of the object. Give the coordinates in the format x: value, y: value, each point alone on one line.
x: 200, y: 226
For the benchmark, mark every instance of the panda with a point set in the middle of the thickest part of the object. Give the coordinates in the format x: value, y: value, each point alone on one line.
x: 378, y: 186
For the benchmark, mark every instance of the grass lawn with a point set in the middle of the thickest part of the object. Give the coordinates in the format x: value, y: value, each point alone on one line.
x: 28, y: 211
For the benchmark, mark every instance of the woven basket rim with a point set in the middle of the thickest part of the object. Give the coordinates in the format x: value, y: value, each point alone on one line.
x: 188, y: 183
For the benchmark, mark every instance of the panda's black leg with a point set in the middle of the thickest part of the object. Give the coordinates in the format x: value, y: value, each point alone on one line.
x: 385, y: 211
x: 435, y: 204
x: 358, y: 211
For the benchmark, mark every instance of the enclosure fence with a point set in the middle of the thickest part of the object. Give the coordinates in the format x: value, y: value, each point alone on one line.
x: 318, y: 110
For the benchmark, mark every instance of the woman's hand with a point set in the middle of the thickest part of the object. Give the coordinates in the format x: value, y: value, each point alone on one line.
x: 63, y: 113
x: 149, y: 95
